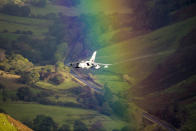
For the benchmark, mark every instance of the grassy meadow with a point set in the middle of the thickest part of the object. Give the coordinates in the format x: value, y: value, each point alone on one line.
x: 21, y: 111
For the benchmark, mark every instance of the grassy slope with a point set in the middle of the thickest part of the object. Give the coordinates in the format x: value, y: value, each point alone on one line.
x: 24, y: 111
x: 28, y: 111
x: 18, y: 125
x: 5, y: 125
x: 53, y: 9
x: 177, y: 93
x: 144, y: 53
x: 190, y: 123
x: 153, y: 48
x: 11, y: 86
x: 13, y: 23
x: 114, y: 82
x: 64, y: 85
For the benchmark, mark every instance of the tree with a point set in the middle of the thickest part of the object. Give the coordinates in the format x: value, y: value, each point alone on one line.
x: 97, y: 126
x: 68, y: 3
x: 15, y: 63
x: 2, y: 55
x: 61, y: 52
x: 24, y: 94
x: 15, y: 10
x: 4, y: 94
x: 64, y: 127
x: 1, y: 86
x: 80, y: 126
x: 44, y: 123
x: 107, y: 93
x: 119, y: 108
x: 100, y: 98
x: 105, y: 109
x: 126, y: 128
x: 57, y: 79
x: 39, y: 3
x: 30, y: 77
x: 59, y: 66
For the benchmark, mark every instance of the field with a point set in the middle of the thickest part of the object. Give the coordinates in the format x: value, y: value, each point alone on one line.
x: 28, y: 111
x: 14, y: 23
x: 64, y: 85
x: 114, y: 82
x: 23, y: 111
x: 54, y: 9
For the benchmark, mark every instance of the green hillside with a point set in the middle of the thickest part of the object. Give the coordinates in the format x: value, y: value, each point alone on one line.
x: 53, y: 9
x: 23, y: 111
x: 7, y: 123
x: 153, y: 49
x: 12, y: 24
x: 141, y: 56
x: 62, y: 97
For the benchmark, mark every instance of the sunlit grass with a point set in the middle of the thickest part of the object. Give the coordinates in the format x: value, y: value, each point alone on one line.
x: 28, y: 111
x: 5, y: 125
x: 64, y: 85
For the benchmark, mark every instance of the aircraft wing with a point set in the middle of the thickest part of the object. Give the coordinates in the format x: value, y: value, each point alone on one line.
x: 98, y: 65
x: 103, y: 64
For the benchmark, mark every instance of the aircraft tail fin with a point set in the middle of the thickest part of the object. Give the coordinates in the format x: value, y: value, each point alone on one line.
x: 93, y: 57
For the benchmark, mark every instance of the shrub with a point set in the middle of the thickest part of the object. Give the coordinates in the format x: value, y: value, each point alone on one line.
x: 126, y: 128
x: 30, y: 77
x: 17, y: 32
x: 2, y: 111
x: 80, y: 126
x: 39, y: 3
x: 44, y: 123
x: 57, y: 79
x: 68, y: 3
x: 25, y: 94
x: 15, y: 10
x: 64, y: 127
x: 5, y: 31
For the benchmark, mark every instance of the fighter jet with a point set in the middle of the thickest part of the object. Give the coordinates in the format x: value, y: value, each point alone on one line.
x: 89, y: 64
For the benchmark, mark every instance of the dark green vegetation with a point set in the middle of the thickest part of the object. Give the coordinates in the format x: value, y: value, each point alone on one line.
x: 15, y: 10
x: 43, y: 96
x: 153, y: 67
x: 161, y: 63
